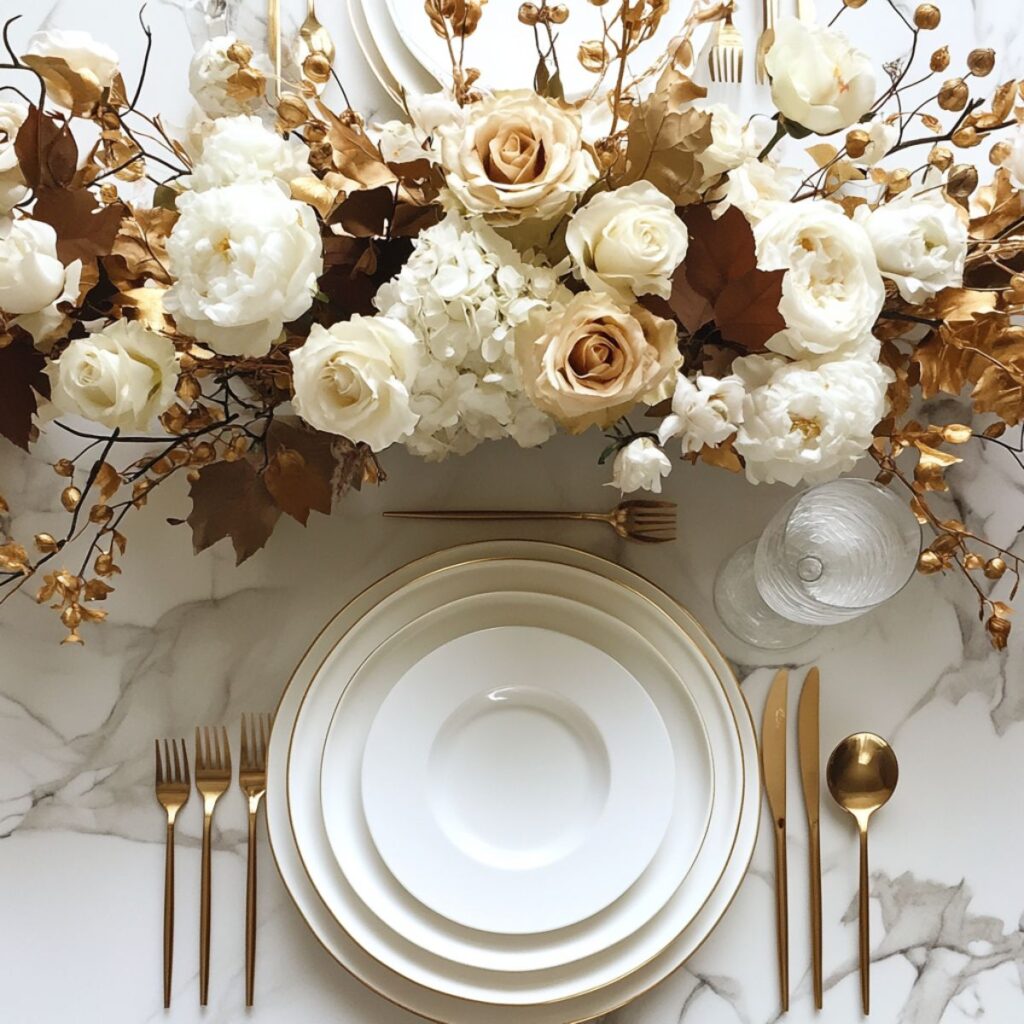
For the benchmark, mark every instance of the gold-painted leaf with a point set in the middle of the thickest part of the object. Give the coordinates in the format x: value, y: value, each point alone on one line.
x: 1002, y: 393
x: 14, y: 558
x: 931, y: 467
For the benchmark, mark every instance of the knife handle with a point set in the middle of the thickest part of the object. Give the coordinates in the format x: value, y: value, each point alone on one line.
x: 816, y: 964
x: 782, y: 912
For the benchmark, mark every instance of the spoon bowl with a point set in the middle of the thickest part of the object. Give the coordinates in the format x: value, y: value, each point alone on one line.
x: 862, y: 774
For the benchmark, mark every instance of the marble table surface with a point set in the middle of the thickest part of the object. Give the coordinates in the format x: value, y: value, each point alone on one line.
x: 196, y: 640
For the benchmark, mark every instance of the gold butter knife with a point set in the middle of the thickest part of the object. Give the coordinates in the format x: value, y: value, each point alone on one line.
x: 808, y: 742
x: 274, y: 42
x: 773, y: 765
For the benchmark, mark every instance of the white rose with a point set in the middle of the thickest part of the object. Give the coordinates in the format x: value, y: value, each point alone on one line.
x: 832, y: 292
x: 755, y: 188
x: 354, y: 378
x: 12, y: 182
x: 920, y: 242
x: 807, y: 421
x: 224, y: 87
x: 640, y: 466
x: 92, y: 60
x: 52, y: 320
x: 628, y: 242
x: 881, y: 138
x: 31, y: 276
x: 1014, y: 161
x: 734, y: 141
x: 818, y: 79
x: 399, y: 143
x: 245, y: 260
x: 241, y: 149
x: 516, y: 156
x: 705, y: 411
x: 122, y: 377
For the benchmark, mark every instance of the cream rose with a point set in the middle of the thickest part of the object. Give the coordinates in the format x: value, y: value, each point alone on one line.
x: 31, y: 276
x: 819, y: 80
x: 240, y: 149
x: 832, y: 292
x: 589, y: 363
x: 77, y: 68
x: 920, y: 242
x: 516, y: 156
x: 628, y: 242
x: 245, y: 260
x: 223, y: 86
x: 807, y: 421
x: 640, y: 466
x: 12, y: 182
x: 354, y: 379
x: 705, y: 411
x: 122, y: 377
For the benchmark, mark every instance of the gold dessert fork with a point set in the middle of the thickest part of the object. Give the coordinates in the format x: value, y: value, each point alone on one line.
x: 172, y: 790
x: 213, y: 776
x: 252, y: 777
x: 648, y: 522
x: 725, y: 60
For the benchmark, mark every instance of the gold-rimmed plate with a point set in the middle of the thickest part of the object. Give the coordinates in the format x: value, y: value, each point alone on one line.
x: 434, y: 1005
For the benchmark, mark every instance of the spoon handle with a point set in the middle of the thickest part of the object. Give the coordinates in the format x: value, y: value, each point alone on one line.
x: 865, y: 923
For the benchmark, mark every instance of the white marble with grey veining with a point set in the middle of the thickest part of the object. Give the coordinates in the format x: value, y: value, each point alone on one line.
x: 196, y: 640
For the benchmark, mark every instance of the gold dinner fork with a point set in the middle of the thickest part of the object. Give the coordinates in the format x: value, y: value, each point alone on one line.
x: 213, y: 776
x: 726, y: 58
x: 252, y: 777
x: 649, y: 522
x: 172, y: 790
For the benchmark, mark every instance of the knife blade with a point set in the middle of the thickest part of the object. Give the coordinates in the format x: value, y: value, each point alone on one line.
x: 773, y: 765
x: 808, y: 742
x: 274, y: 42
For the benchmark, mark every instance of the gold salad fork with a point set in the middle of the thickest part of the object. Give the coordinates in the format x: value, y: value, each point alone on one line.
x: 252, y: 777
x: 726, y: 58
x: 648, y: 522
x: 172, y: 790
x: 213, y: 776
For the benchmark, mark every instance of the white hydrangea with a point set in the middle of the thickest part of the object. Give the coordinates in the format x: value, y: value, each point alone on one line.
x: 705, y: 411
x: 464, y: 292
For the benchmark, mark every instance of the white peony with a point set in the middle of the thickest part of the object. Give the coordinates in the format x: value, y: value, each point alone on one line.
x: 807, y: 421
x: 755, y: 188
x: 353, y: 379
x: 31, y: 276
x: 734, y: 141
x: 920, y: 242
x: 881, y: 138
x: 516, y: 156
x: 122, y: 377
x: 832, y: 292
x: 705, y: 411
x: 224, y: 87
x: 640, y: 466
x: 12, y: 182
x: 819, y: 81
x: 241, y: 149
x: 245, y: 260
x: 465, y: 292
x: 94, y: 61
x: 628, y: 242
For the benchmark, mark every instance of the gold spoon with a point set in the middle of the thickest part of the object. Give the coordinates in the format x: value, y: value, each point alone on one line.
x: 316, y: 38
x: 862, y: 775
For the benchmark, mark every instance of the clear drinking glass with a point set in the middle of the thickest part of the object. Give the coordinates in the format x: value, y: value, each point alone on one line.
x: 829, y: 555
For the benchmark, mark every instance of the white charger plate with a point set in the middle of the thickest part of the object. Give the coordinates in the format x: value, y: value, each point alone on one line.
x: 370, y: 50
x: 396, y: 950
x: 389, y: 57
x: 425, y: 1002
x: 353, y: 849
x: 516, y: 778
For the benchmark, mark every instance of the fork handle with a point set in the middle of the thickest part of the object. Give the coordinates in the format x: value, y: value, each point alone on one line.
x: 204, y: 915
x: 504, y: 515
x: 250, y: 908
x: 769, y: 13
x: 168, y: 913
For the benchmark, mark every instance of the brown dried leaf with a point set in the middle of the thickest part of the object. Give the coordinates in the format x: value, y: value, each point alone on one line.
x: 139, y: 251
x: 77, y: 90
x: 747, y: 309
x: 357, y: 160
x: 84, y: 229
x: 963, y: 304
x: 722, y: 456
x: 46, y: 151
x: 301, y: 469
x: 21, y: 380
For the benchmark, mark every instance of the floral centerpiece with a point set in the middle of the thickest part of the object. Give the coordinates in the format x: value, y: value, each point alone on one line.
x: 269, y: 300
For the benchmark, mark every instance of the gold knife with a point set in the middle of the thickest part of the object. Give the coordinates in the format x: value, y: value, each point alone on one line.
x: 808, y: 741
x: 274, y: 42
x: 773, y: 764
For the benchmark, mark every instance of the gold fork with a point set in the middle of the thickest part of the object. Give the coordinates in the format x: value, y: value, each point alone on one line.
x: 172, y: 790
x: 213, y: 776
x: 252, y: 777
x: 726, y: 58
x: 649, y: 522
x: 764, y: 43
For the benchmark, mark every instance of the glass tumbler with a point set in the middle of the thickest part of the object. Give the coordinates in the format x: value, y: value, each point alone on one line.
x: 831, y: 554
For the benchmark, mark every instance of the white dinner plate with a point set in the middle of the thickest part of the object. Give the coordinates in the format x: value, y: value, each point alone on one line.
x: 395, y: 949
x: 370, y: 50
x: 377, y: 888
x: 517, y: 779
x: 393, y: 986
x: 397, y: 61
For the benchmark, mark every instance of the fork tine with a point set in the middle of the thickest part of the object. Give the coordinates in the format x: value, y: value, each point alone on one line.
x: 265, y: 739
x: 177, y: 761
x: 199, y: 750
x: 208, y: 749
x: 226, y: 766
x: 244, y: 742
x: 159, y: 766
x: 217, y: 763
x: 184, y: 758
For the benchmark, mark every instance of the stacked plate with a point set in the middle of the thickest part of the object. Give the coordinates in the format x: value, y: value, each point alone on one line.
x: 407, y: 56
x: 512, y: 774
